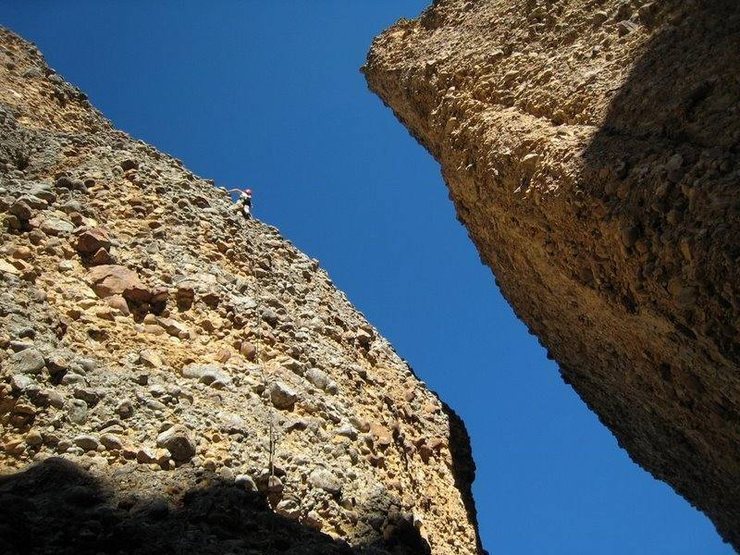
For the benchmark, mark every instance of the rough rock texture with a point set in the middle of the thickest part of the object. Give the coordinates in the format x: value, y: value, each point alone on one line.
x: 175, y: 379
x: 591, y: 149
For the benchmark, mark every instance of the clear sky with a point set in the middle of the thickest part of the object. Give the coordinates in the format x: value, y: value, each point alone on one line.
x: 268, y: 94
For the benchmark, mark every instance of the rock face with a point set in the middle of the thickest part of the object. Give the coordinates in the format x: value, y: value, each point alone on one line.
x: 591, y: 149
x: 174, y: 378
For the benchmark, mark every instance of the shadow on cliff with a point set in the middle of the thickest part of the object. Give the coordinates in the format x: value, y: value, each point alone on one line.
x: 664, y: 165
x: 674, y: 123
x: 57, y: 507
x: 463, y: 466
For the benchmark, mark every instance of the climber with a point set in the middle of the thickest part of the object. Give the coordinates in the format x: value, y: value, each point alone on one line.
x: 245, y: 202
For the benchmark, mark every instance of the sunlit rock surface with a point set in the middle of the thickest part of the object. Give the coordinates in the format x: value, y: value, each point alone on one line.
x: 176, y: 379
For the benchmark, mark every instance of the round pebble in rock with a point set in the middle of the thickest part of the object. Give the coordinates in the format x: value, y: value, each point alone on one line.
x: 77, y: 411
x: 27, y: 361
x: 86, y: 442
x: 323, y: 479
x: 282, y: 396
x: 178, y: 442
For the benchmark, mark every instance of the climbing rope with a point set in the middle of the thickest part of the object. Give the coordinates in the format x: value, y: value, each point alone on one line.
x: 272, y: 433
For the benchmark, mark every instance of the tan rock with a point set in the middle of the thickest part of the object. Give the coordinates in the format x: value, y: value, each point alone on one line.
x: 119, y: 303
x: 34, y: 438
x: 174, y: 328
x: 23, y: 253
x: 105, y: 313
x: 150, y: 358
x: 381, y: 435
x: 8, y: 268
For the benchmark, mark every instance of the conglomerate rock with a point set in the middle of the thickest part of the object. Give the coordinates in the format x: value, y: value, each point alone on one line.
x: 176, y: 379
x: 591, y: 149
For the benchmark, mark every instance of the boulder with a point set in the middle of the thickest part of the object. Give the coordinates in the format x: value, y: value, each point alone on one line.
x: 282, y: 397
x: 321, y: 478
x: 318, y: 378
x: 27, y: 361
x: 178, y: 441
x: 53, y: 224
x: 109, y: 279
x: 91, y: 240
x: 21, y: 210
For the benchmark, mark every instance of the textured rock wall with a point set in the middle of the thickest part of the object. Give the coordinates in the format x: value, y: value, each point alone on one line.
x: 174, y: 378
x: 591, y: 149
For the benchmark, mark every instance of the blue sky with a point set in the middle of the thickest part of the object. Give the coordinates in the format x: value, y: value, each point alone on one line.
x: 268, y: 94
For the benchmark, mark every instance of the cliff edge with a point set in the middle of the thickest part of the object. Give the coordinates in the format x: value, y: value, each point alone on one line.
x: 591, y: 149
x: 177, y: 379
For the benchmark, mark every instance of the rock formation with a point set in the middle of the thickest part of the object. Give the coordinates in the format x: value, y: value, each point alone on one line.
x: 175, y: 378
x: 591, y: 149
